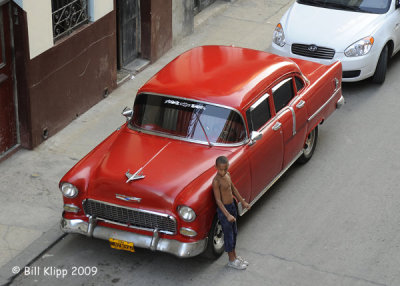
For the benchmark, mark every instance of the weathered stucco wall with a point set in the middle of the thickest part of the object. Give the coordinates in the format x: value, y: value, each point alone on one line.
x: 182, y: 19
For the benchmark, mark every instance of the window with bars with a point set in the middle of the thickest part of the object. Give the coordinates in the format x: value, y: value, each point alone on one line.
x: 67, y: 16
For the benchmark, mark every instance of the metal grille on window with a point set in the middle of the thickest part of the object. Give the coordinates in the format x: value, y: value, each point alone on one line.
x: 67, y: 16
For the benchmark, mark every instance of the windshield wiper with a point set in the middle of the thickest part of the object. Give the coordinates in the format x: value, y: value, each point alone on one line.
x: 310, y: 2
x: 202, y: 127
x: 343, y: 6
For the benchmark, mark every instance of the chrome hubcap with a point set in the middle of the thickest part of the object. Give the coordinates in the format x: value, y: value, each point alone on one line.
x: 308, y: 146
x: 218, y: 239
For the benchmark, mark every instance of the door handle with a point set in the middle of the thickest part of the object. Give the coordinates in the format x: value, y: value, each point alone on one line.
x: 300, y: 104
x: 277, y: 126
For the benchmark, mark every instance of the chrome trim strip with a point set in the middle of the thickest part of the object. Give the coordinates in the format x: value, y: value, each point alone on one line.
x: 129, y: 208
x: 172, y: 246
x: 134, y: 227
x: 245, y: 141
x: 242, y: 210
x: 294, y: 119
x: 280, y: 84
x: 259, y: 101
x: 324, y: 105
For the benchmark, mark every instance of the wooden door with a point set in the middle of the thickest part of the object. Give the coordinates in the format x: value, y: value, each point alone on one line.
x: 128, y: 23
x: 8, y: 130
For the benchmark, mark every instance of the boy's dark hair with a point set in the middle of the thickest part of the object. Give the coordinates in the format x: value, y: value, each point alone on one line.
x: 221, y: 160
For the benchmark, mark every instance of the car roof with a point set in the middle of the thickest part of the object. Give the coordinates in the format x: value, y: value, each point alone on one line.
x: 225, y: 75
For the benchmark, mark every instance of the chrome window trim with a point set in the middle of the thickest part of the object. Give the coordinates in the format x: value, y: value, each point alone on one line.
x: 133, y: 209
x: 259, y: 101
x: 280, y: 84
x: 324, y: 105
x: 243, y: 142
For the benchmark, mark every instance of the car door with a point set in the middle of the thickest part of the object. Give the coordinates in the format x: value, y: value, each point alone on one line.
x: 290, y: 112
x: 394, y: 24
x: 266, y: 154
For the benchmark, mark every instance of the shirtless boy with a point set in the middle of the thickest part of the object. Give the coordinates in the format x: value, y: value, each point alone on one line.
x: 224, y: 190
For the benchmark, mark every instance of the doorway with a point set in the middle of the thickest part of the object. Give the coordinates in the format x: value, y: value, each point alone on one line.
x: 8, y: 121
x: 128, y: 31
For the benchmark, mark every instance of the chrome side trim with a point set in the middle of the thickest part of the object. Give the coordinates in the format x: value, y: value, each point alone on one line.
x: 242, y: 210
x: 172, y: 246
x: 324, y: 105
x: 245, y: 140
x: 294, y: 119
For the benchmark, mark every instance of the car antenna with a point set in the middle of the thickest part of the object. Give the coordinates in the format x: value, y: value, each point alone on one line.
x: 202, y: 127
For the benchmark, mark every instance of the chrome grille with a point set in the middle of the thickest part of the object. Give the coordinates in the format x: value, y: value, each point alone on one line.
x: 130, y: 217
x: 313, y: 51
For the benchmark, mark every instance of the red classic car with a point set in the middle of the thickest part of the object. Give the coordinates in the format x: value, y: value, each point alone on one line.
x: 149, y: 183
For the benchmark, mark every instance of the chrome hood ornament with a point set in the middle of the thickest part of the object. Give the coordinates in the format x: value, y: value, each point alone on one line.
x: 133, y: 177
x: 128, y: 199
x: 139, y: 175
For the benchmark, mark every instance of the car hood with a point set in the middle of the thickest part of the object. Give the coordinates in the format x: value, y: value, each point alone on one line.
x: 331, y: 28
x: 168, y: 166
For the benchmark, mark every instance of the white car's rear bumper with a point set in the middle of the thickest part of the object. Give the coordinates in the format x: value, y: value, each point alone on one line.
x: 354, y: 69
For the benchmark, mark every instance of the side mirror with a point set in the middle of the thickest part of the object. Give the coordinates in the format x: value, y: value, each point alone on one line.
x: 128, y: 113
x: 255, y: 136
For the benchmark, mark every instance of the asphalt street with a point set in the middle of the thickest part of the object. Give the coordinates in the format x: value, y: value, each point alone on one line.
x: 334, y: 221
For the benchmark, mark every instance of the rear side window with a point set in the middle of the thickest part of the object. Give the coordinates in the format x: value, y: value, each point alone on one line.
x: 299, y: 83
x: 258, y: 114
x: 282, y: 93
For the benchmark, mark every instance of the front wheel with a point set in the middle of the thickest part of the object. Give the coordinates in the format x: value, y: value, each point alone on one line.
x: 309, y: 146
x: 215, y: 244
x: 380, y: 72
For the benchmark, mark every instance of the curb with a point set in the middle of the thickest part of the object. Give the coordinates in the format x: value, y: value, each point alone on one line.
x: 30, y: 254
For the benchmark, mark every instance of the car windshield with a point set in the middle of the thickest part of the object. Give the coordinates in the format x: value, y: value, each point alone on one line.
x: 188, y: 119
x: 368, y: 6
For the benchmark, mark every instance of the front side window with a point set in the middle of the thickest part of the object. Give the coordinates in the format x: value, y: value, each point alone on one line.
x: 282, y: 94
x: 367, y: 6
x: 188, y: 119
x: 258, y: 114
x: 299, y: 83
x: 67, y: 16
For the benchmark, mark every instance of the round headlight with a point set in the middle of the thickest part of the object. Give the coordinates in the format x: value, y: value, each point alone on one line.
x: 69, y: 190
x: 360, y: 48
x: 186, y: 213
x: 279, y: 36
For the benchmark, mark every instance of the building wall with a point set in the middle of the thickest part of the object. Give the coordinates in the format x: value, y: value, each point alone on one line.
x: 156, y: 28
x: 182, y: 19
x: 64, y: 81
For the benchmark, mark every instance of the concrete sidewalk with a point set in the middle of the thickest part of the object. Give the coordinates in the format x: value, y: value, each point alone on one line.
x: 31, y: 202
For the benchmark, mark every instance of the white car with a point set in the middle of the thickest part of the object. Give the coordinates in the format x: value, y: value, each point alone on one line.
x: 362, y: 34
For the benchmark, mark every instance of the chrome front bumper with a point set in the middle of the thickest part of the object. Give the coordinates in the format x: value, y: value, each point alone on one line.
x: 340, y: 102
x: 154, y: 242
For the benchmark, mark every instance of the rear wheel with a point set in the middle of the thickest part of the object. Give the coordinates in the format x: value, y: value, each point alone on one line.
x: 215, y: 245
x: 380, y: 72
x: 309, y: 146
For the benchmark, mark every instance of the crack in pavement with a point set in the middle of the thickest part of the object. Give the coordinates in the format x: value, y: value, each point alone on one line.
x: 315, y: 268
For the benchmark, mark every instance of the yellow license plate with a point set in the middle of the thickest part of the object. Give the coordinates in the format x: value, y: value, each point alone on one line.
x: 121, y: 244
